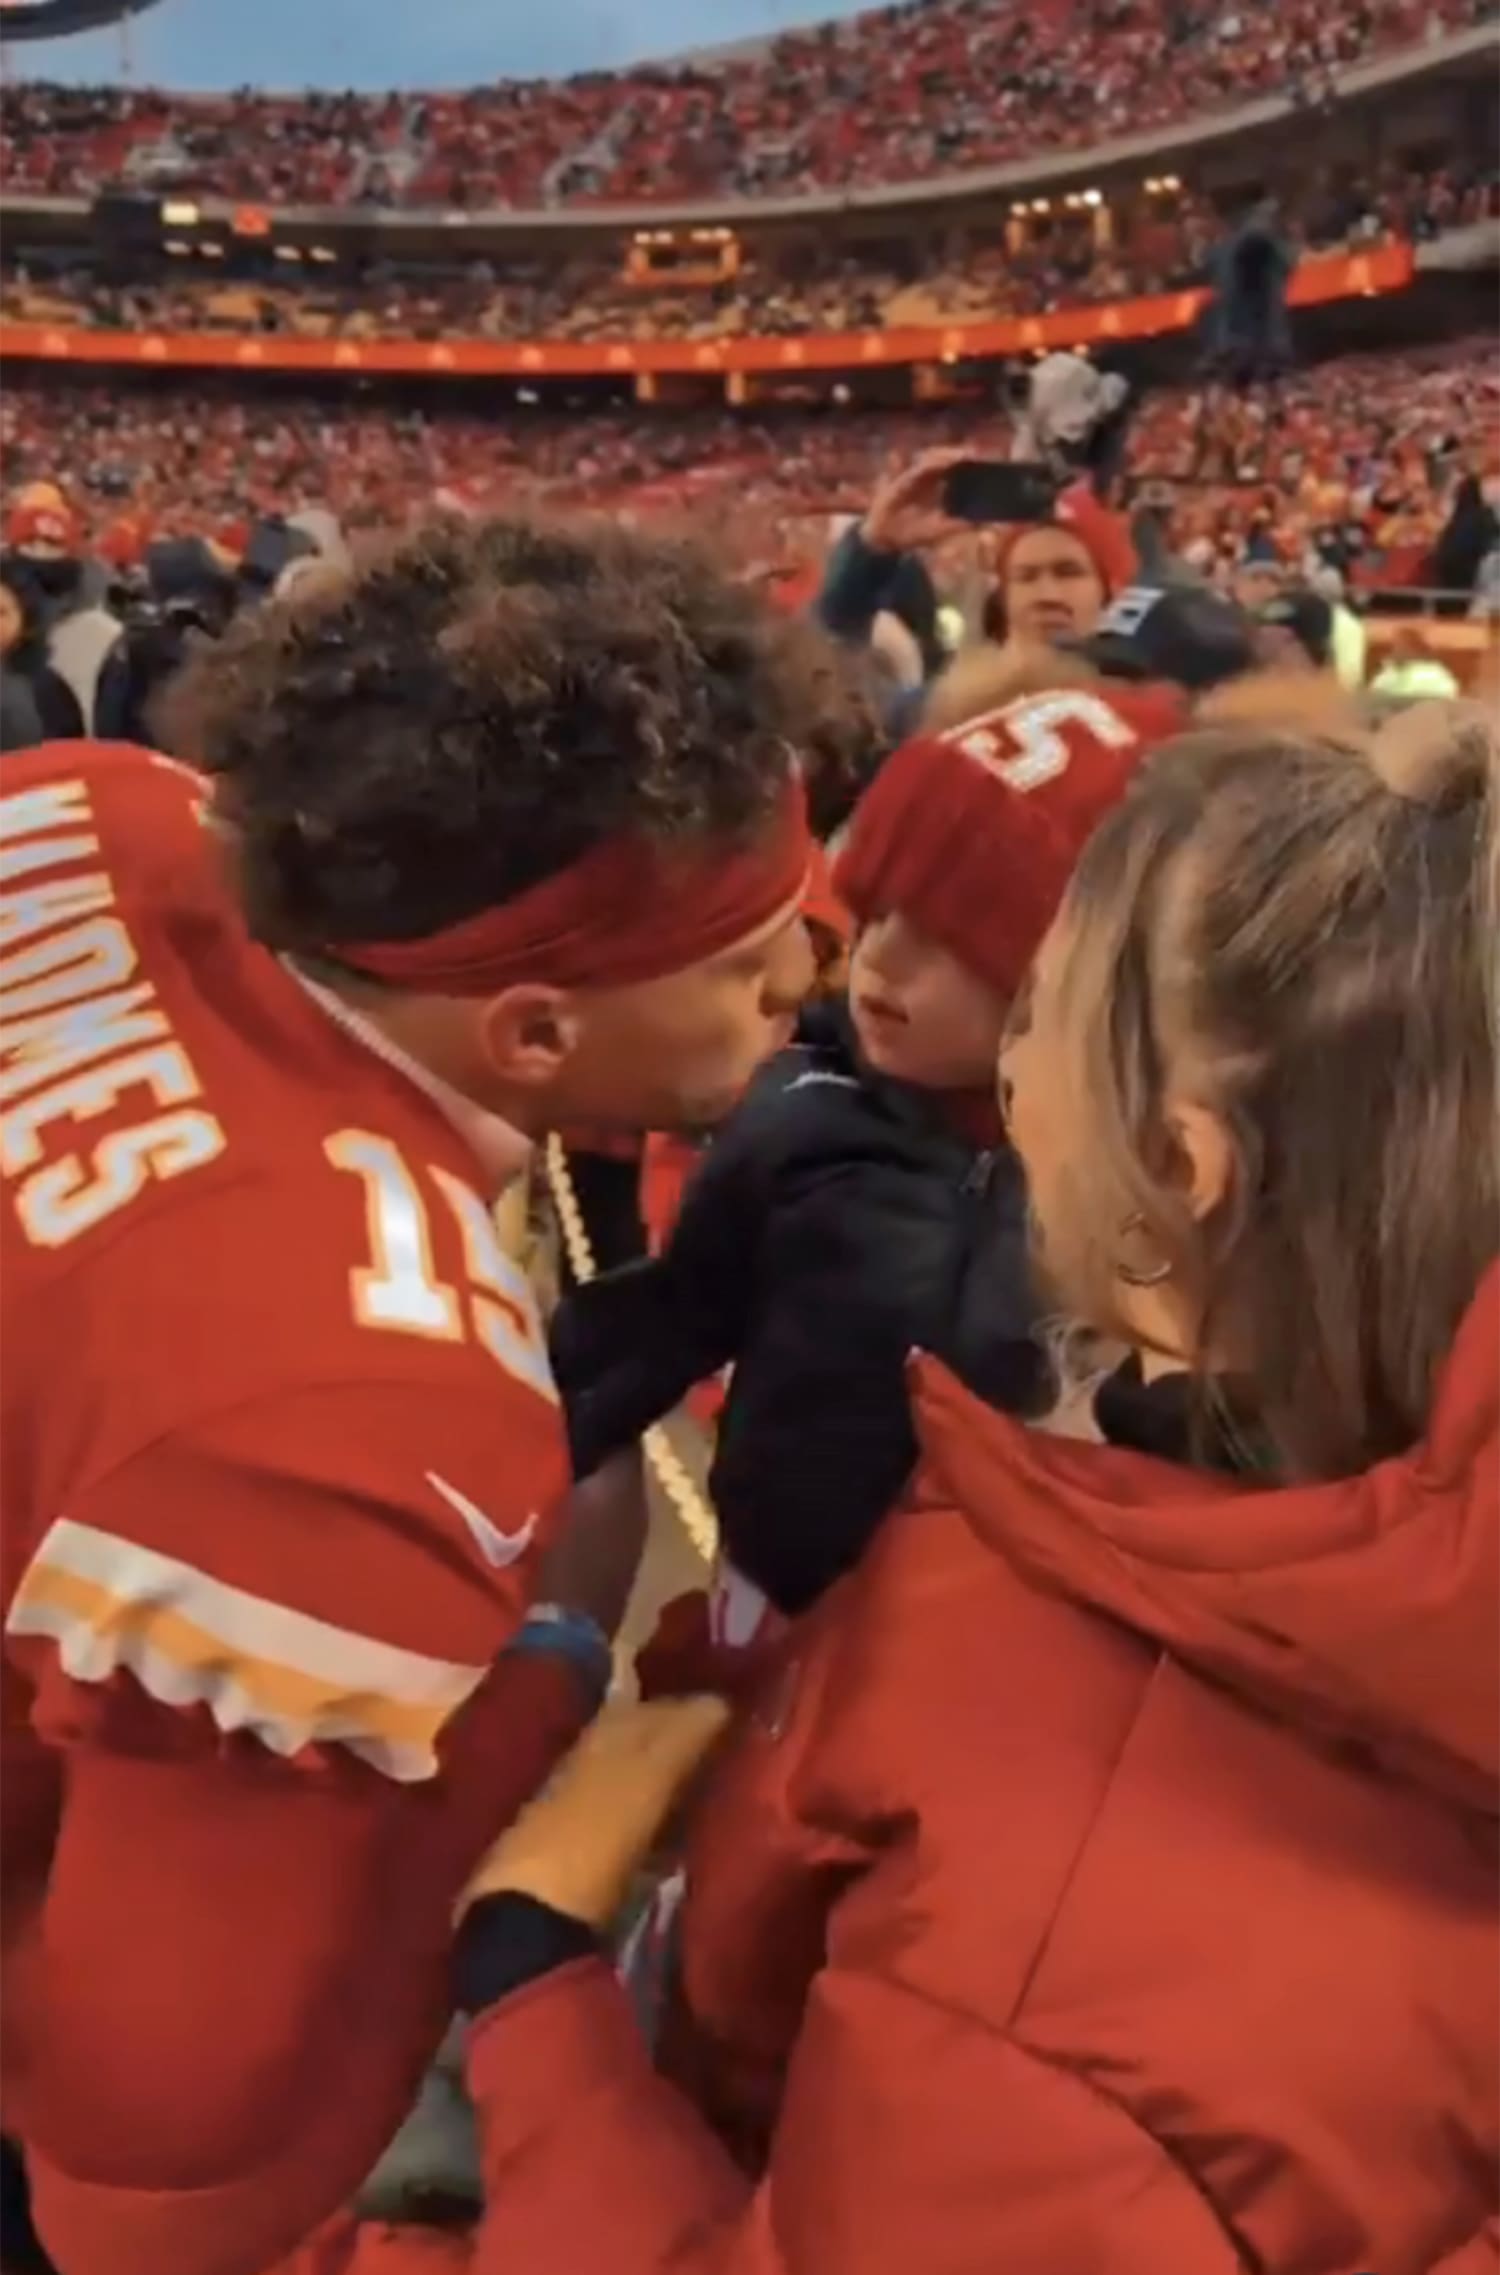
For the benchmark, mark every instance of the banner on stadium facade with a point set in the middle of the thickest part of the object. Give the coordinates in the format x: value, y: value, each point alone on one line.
x: 1325, y: 276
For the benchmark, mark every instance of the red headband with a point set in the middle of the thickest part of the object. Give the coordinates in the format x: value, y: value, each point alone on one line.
x: 627, y: 911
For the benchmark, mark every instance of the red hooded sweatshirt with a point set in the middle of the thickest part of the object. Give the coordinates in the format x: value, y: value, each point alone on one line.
x: 1107, y: 1883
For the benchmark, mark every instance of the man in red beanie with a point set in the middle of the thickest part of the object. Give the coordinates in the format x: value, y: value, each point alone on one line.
x: 864, y: 1198
x: 1052, y: 580
x: 501, y: 828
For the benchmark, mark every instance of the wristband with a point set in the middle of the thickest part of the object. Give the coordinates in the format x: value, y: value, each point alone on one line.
x: 506, y: 1940
x: 569, y: 1634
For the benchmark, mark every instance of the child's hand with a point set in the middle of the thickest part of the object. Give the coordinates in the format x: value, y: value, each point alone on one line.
x: 578, y: 1844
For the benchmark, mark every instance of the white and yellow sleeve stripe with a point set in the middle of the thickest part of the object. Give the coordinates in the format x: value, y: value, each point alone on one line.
x: 277, y: 1675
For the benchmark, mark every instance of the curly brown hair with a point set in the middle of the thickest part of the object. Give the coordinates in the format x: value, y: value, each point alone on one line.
x: 472, y: 708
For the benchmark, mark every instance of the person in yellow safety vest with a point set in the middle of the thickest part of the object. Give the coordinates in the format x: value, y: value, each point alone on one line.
x: 1412, y: 670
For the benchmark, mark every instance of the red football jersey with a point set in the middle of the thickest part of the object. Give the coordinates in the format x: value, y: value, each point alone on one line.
x: 280, y: 1448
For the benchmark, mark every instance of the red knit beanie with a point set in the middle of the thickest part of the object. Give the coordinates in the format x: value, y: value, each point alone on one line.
x: 974, y: 834
x: 42, y: 524
x: 1104, y: 535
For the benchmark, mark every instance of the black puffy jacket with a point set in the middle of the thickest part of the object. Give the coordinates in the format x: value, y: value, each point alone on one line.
x: 837, y: 1223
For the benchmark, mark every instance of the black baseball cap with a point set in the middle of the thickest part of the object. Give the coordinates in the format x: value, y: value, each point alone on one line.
x: 1307, y: 616
x: 1183, y: 633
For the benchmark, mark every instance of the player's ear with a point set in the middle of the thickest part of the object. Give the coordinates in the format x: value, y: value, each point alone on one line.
x: 529, y: 1034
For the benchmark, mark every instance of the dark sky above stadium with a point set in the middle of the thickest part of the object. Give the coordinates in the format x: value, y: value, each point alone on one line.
x: 208, y: 44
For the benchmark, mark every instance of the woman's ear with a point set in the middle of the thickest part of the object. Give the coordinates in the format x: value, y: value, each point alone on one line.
x: 529, y: 1034
x: 1203, y: 1156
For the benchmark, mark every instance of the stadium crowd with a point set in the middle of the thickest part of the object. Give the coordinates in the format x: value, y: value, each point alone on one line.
x: 899, y: 94
x: 1358, y: 456
x: 1056, y: 261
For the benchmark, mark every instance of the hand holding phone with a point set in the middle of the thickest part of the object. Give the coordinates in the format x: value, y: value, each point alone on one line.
x: 907, y: 510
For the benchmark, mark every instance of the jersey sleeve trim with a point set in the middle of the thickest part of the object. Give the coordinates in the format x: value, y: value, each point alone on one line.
x: 277, y: 1675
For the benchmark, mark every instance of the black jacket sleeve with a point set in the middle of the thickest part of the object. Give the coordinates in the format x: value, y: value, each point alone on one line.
x: 876, y: 1254
x: 628, y: 1347
x: 816, y: 1440
x: 871, y: 1245
x: 856, y: 585
x: 20, y: 720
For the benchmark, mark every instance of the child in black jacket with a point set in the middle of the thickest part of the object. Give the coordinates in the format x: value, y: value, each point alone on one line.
x: 863, y: 1200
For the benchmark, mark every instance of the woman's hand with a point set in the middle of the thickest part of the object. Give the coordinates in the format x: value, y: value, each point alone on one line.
x: 578, y: 1844
x: 906, y: 511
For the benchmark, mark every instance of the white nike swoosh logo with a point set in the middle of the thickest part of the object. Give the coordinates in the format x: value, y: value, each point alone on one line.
x: 496, y: 1547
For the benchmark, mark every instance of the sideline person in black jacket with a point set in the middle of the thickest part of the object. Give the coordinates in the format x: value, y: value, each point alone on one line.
x: 863, y: 1199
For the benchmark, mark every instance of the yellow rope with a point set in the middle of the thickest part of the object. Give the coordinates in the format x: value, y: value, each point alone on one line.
x: 671, y: 1473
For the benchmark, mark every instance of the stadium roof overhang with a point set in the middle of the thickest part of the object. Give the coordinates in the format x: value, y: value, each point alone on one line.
x: 58, y: 19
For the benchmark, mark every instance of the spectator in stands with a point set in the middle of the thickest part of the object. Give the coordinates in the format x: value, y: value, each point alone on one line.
x: 1298, y: 628
x: 1472, y: 529
x: 1126, y: 1850
x: 1047, y: 582
x: 46, y: 550
x: 36, y: 706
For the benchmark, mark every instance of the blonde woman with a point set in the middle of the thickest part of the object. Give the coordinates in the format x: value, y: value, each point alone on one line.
x: 1105, y: 1883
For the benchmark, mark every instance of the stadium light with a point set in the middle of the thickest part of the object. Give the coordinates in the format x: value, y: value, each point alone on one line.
x: 1093, y: 197
x: 322, y: 253
x: 1041, y: 205
x: 176, y: 248
x: 180, y: 213
x: 289, y: 252
x: 1019, y: 212
x: 1170, y: 182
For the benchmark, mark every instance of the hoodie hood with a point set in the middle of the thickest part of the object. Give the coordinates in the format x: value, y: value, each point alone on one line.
x: 1366, y: 1610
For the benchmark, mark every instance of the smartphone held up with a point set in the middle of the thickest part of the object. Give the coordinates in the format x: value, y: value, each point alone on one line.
x: 982, y: 490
